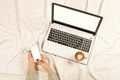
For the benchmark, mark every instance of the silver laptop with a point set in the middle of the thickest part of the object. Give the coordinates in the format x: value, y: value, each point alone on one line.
x: 71, y: 31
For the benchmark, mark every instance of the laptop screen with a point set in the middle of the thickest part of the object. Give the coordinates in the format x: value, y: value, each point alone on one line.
x: 76, y: 18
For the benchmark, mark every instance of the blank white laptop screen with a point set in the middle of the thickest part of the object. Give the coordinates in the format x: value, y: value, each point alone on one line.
x: 75, y: 18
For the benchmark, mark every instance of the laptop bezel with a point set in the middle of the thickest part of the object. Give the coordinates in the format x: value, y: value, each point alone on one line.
x: 68, y: 25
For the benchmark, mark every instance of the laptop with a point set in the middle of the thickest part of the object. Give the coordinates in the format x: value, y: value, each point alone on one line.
x: 71, y: 31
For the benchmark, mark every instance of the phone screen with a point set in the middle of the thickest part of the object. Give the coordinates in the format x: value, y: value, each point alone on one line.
x: 36, y: 52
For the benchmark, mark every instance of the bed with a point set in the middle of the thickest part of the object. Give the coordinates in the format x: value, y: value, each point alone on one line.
x: 23, y: 22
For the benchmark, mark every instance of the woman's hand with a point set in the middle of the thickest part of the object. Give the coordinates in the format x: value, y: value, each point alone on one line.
x: 44, y: 63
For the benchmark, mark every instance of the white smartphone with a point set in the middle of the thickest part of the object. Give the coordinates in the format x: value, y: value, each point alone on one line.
x: 36, y: 52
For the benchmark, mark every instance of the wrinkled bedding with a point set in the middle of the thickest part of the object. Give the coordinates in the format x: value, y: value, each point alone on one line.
x: 23, y: 22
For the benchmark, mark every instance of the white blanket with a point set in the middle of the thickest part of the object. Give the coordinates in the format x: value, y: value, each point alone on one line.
x: 23, y: 22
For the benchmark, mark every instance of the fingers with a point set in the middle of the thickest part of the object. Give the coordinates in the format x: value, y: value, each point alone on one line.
x: 43, y: 58
x: 30, y: 55
x: 40, y: 62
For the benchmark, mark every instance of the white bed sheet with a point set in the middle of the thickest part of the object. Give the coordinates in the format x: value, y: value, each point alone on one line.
x: 23, y: 22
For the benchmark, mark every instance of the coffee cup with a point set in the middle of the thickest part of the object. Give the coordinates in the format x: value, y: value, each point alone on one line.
x: 79, y: 56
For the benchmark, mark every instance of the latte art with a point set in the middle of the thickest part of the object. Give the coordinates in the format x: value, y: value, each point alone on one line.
x: 79, y: 56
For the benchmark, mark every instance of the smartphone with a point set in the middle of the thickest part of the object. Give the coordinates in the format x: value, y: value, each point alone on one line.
x: 36, y: 52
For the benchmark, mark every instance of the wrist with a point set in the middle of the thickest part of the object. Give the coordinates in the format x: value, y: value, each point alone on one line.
x: 32, y: 68
x: 48, y: 69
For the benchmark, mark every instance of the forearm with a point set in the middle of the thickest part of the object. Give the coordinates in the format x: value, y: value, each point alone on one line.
x: 32, y: 75
x: 52, y: 76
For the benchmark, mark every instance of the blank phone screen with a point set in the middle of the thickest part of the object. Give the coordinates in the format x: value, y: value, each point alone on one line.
x: 35, y: 52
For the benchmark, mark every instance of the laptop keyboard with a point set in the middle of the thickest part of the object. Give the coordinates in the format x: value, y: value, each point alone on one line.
x: 69, y: 40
